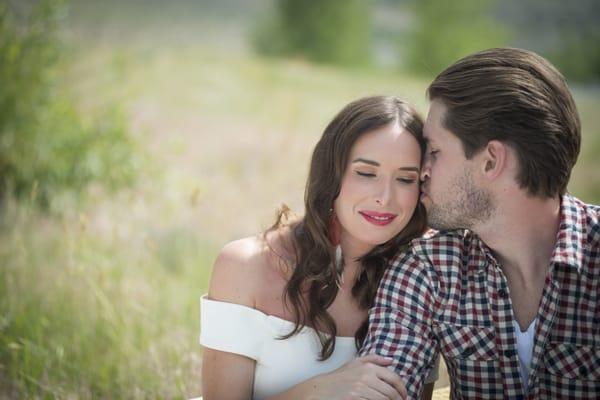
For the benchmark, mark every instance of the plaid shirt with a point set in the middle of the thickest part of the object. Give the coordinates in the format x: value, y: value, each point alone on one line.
x: 448, y: 294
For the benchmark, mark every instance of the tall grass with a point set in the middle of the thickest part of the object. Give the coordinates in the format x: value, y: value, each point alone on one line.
x: 90, y: 315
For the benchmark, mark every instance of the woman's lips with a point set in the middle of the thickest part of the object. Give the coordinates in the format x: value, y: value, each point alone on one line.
x: 377, y: 218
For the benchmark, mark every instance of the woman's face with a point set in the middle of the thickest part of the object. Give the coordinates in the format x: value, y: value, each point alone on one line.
x: 380, y: 188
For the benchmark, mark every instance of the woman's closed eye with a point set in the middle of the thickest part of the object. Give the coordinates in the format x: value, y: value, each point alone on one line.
x: 407, y: 180
x: 365, y: 174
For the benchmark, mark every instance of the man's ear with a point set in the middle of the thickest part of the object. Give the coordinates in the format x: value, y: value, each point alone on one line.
x: 494, y: 159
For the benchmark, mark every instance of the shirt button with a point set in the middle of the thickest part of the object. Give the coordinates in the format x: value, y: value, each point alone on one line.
x: 583, y: 371
x: 509, y: 353
x: 502, y: 293
x: 468, y: 351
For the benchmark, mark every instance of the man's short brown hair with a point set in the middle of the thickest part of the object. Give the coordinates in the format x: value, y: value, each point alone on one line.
x: 517, y: 97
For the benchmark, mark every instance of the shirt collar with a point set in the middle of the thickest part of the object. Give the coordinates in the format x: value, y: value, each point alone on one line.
x: 571, y: 239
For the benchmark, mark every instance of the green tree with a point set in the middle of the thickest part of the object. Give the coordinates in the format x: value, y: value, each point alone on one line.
x: 328, y: 31
x: 46, y: 145
x: 445, y: 31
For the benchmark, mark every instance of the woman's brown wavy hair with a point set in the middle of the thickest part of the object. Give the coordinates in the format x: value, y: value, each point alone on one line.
x: 312, y: 287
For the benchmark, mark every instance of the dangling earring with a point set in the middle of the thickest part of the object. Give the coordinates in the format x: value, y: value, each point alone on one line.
x: 334, y: 236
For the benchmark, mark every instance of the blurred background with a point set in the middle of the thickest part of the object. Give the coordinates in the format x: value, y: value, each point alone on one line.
x: 137, y: 137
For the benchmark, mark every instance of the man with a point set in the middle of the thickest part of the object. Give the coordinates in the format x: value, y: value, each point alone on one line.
x: 512, y: 302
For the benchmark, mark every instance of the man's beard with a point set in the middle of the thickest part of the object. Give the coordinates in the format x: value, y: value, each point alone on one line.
x: 469, y: 206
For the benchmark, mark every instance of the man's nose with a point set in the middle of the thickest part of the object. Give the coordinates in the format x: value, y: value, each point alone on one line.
x: 425, y: 171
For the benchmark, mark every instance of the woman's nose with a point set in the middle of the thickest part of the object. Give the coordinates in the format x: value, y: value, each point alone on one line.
x: 383, y: 196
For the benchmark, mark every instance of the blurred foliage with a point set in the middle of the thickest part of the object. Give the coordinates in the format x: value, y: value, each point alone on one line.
x: 578, y: 57
x: 46, y: 145
x: 328, y: 31
x: 567, y: 33
x: 444, y: 31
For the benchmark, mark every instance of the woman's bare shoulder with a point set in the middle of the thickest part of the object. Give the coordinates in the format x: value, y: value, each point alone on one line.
x: 237, y: 271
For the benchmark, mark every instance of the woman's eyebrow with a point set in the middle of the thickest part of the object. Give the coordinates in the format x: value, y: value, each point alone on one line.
x: 376, y: 164
x: 364, y: 160
x: 415, y: 169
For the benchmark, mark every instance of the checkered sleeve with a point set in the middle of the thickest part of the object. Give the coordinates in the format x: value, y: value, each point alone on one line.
x: 400, y: 321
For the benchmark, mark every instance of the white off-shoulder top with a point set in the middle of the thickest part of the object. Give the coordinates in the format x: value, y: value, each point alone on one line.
x: 280, y: 364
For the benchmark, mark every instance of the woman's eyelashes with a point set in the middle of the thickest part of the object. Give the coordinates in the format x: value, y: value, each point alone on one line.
x: 366, y: 174
x: 407, y: 180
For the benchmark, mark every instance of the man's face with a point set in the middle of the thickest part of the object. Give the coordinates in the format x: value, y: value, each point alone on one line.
x: 449, y: 191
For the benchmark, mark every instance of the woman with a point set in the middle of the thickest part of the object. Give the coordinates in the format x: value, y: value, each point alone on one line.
x: 287, y: 311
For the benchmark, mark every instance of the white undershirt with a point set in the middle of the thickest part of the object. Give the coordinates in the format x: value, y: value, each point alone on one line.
x: 525, y: 349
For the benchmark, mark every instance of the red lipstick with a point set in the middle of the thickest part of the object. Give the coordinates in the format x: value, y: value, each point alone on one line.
x: 377, y: 218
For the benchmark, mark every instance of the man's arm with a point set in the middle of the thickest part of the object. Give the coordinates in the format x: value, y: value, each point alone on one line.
x: 400, y: 321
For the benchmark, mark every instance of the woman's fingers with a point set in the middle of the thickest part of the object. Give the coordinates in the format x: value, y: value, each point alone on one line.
x: 371, y: 393
x: 392, y: 379
x: 376, y: 359
x: 368, y: 377
x: 381, y: 389
x: 378, y: 378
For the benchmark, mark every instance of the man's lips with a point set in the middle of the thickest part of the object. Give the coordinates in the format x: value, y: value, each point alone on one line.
x: 377, y: 218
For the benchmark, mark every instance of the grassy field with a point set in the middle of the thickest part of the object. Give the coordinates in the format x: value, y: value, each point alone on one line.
x: 101, y: 300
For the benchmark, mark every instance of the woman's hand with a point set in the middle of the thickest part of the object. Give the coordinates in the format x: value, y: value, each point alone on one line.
x: 364, y: 378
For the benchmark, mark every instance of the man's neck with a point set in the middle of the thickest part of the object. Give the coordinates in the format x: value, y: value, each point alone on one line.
x: 522, y: 236
x: 523, y: 231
